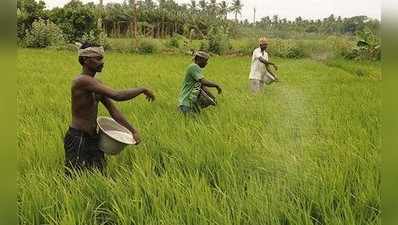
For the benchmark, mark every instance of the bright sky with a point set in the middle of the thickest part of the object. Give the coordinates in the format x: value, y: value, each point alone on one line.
x: 290, y: 9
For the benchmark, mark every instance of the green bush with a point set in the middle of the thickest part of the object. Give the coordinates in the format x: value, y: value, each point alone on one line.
x: 97, y: 38
x: 148, y: 46
x: 44, y: 34
x: 368, y: 46
x: 295, y: 52
x: 339, y: 45
x: 122, y: 45
x: 174, y: 42
x: 286, y: 48
x: 218, y: 41
x: 75, y: 19
x: 245, y: 47
x: 204, y: 45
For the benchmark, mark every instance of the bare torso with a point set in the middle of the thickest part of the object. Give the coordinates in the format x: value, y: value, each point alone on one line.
x: 84, y: 108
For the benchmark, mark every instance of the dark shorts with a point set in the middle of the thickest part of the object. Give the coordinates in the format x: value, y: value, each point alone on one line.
x: 82, y: 152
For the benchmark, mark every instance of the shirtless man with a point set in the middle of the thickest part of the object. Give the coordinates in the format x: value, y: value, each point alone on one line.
x: 81, y: 140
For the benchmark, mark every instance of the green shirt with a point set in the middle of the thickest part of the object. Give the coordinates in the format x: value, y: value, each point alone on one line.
x: 190, y: 86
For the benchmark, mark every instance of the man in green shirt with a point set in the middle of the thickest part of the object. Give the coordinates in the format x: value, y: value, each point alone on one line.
x: 194, y: 83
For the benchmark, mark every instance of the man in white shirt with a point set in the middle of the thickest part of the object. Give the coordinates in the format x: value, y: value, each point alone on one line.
x: 260, y: 72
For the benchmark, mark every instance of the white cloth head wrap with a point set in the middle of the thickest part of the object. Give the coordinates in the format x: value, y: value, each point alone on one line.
x: 92, y: 52
x: 202, y: 54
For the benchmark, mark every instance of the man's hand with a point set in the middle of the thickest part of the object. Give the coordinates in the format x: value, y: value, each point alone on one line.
x: 136, y: 136
x: 149, y: 95
x: 275, y: 67
x: 219, y: 90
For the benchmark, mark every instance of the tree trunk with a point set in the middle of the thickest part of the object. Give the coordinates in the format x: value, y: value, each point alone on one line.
x: 131, y: 30
x: 162, y: 30
x: 114, y: 29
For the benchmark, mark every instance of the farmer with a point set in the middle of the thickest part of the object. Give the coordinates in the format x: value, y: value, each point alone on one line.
x: 260, y: 72
x: 81, y: 140
x: 194, y: 84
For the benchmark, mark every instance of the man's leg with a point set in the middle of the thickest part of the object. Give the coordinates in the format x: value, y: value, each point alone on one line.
x: 254, y: 85
x: 261, y: 84
x: 81, y: 152
x: 72, y: 146
x: 95, y: 158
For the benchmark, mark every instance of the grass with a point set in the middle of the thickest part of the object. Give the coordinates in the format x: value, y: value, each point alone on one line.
x: 306, y: 151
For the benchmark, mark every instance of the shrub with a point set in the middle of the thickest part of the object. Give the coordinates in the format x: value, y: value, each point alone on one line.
x: 75, y: 19
x: 97, y: 38
x: 295, y: 52
x: 174, y: 42
x: 339, y: 45
x: 204, y: 45
x: 368, y: 47
x: 148, y: 46
x: 218, y: 41
x: 43, y: 34
x: 286, y: 49
x: 247, y: 46
x: 122, y: 45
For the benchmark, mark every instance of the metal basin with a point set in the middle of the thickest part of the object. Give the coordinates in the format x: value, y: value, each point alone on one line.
x: 113, y: 137
x: 268, y: 78
x: 205, y: 100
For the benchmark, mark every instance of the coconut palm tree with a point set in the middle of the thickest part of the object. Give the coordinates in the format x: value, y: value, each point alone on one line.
x: 224, y: 9
x: 236, y: 8
x: 203, y: 5
x: 193, y: 5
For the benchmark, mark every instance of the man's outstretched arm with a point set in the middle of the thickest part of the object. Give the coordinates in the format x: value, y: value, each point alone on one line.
x: 208, y: 83
x: 118, y: 117
x: 97, y: 87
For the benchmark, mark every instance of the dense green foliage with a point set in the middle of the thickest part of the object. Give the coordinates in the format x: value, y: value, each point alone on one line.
x: 76, y: 19
x: 27, y: 12
x: 206, y: 20
x: 43, y: 34
x: 166, y: 18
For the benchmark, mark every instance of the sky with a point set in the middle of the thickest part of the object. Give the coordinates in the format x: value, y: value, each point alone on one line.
x: 289, y: 9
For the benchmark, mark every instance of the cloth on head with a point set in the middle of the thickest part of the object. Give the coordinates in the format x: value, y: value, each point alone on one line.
x: 202, y: 54
x: 92, y: 52
x: 263, y: 40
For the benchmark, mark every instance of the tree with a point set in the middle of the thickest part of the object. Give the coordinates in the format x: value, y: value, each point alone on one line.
x: 224, y: 9
x: 75, y: 19
x: 212, y: 8
x: 236, y: 8
x: 193, y: 5
x: 203, y: 5
x: 354, y: 24
x: 275, y: 19
x: 29, y: 11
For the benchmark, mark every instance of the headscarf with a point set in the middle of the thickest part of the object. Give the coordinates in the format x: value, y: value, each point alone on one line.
x: 92, y: 52
x: 263, y: 40
x: 202, y: 54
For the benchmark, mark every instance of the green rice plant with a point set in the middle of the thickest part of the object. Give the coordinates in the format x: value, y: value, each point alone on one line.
x: 304, y: 151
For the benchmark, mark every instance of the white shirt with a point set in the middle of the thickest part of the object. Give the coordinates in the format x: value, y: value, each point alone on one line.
x: 258, y: 70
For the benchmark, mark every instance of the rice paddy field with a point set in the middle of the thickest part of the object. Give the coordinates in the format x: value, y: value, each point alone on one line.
x: 304, y: 151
